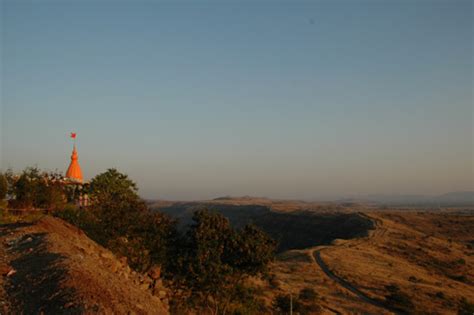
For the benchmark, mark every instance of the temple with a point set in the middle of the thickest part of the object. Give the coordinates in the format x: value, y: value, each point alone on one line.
x: 78, y: 189
x: 74, y: 172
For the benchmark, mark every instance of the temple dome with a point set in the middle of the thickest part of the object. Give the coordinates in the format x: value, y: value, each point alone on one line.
x: 74, y: 170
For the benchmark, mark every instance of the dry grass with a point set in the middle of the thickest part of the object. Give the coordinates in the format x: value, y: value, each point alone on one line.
x: 296, y: 270
x: 428, y: 256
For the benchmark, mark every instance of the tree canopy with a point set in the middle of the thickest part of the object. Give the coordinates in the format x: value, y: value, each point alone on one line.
x: 212, y: 258
x: 36, y: 189
x: 112, y: 186
x: 121, y: 221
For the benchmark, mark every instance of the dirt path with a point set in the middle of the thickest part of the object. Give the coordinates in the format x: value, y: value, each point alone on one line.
x: 316, y: 255
x: 32, y: 275
x: 361, y: 295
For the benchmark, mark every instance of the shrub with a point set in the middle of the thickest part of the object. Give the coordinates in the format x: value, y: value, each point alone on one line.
x: 412, y: 279
x: 308, y: 294
x: 246, y: 302
x: 460, y: 278
x: 465, y: 307
x: 5, y: 217
x: 396, y: 299
x: 84, y: 220
x: 310, y: 309
x: 273, y: 281
x: 284, y: 303
x: 3, y: 205
x: 440, y: 295
x: 138, y: 255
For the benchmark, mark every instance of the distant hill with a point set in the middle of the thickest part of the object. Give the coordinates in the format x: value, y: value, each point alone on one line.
x: 458, y: 197
x: 277, y: 205
x: 452, y: 199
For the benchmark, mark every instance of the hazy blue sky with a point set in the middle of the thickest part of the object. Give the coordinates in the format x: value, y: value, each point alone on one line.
x: 286, y: 99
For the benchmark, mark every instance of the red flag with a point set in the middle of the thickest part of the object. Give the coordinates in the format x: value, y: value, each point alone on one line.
x: 73, y: 135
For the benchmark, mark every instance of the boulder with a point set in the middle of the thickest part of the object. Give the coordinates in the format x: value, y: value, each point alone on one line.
x: 108, y: 255
x: 11, y: 272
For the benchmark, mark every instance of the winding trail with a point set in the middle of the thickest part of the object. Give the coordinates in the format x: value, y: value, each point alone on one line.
x: 316, y: 254
x: 361, y: 295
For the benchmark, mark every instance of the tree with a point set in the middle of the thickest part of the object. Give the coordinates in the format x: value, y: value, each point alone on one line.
x: 26, y: 189
x: 212, y: 258
x: 3, y: 186
x: 113, y: 185
x: 115, y: 203
x: 51, y: 192
x: 146, y: 242
x: 36, y: 189
x: 121, y: 221
x: 250, y: 251
x: 157, y: 231
x: 197, y: 267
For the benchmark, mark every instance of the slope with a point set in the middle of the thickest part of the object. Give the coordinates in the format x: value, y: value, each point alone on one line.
x: 52, y: 267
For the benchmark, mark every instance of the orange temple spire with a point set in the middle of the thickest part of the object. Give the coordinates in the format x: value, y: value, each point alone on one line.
x: 74, y: 170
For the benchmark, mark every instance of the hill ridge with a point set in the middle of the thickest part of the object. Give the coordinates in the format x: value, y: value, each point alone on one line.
x: 53, y: 267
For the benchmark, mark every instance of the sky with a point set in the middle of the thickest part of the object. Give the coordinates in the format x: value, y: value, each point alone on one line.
x: 283, y: 99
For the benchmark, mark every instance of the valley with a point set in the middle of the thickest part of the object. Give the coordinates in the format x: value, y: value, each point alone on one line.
x: 377, y: 261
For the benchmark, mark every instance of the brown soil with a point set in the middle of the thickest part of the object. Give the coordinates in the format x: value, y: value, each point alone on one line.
x: 51, y: 267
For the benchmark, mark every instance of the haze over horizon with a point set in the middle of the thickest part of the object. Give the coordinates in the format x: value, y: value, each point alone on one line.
x: 290, y: 100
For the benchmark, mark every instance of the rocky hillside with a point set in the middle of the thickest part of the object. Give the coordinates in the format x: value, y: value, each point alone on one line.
x: 52, y: 267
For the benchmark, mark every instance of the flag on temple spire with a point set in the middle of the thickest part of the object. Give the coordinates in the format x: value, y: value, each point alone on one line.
x: 73, y: 135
